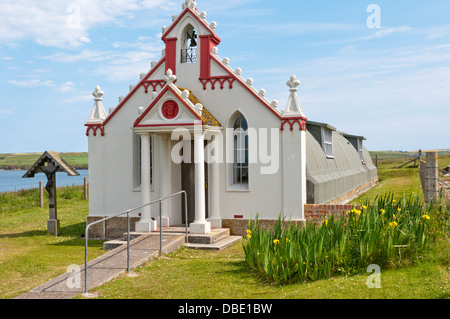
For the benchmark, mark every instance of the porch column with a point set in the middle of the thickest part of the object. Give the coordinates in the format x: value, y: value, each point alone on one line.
x: 214, y: 204
x: 200, y: 225
x: 165, y: 178
x: 146, y: 224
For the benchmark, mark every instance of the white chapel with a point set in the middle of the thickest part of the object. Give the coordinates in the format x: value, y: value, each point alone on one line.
x: 194, y: 123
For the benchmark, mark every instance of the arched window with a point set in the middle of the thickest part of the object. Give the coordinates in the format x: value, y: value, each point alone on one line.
x: 240, y: 152
x: 189, y: 45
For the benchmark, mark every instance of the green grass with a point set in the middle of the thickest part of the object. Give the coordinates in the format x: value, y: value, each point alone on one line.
x: 189, y: 274
x: 196, y: 274
x: 29, y: 256
x: 23, y: 161
x: 403, y: 181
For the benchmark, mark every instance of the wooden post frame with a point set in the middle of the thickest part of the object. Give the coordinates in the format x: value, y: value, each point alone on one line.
x: 49, y: 163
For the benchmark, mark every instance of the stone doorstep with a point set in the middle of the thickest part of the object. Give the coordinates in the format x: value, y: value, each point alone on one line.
x: 217, y: 245
x: 199, y: 241
x: 215, y: 235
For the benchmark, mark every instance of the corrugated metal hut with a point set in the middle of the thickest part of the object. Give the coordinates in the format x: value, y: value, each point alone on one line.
x: 338, y: 166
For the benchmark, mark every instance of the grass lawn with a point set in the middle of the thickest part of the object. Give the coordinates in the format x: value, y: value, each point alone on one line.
x: 30, y: 257
x: 196, y: 274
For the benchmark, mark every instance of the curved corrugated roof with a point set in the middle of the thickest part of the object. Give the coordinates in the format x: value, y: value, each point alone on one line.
x: 333, y: 177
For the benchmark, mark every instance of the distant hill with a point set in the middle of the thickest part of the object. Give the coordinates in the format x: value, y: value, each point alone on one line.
x: 391, y: 155
x: 23, y: 161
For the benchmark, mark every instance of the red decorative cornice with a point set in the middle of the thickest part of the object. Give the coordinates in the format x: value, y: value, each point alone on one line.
x: 214, y: 79
x: 301, y: 123
x: 154, y: 84
x: 94, y: 128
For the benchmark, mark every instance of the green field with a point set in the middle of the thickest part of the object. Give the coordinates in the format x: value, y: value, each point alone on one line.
x: 23, y: 161
x: 30, y: 257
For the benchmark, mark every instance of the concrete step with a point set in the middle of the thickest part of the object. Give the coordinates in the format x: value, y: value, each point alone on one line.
x: 215, y: 235
x: 217, y: 245
x: 133, y: 235
x: 113, y: 244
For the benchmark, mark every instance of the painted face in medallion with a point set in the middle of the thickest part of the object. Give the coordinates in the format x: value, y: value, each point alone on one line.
x: 169, y: 110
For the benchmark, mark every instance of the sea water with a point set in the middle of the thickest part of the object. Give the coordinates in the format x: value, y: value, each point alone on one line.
x: 12, y: 180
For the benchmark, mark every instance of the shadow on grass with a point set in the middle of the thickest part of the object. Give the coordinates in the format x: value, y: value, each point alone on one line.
x: 74, y: 230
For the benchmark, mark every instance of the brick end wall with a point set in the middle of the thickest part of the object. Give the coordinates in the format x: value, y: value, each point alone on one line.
x: 317, y: 212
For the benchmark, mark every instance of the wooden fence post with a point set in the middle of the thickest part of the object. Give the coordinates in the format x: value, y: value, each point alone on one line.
x: 85, y: 189
x: 431, y: 177
x: 41, y: 195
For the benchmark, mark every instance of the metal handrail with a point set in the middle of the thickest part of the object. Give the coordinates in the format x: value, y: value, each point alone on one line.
x: 128, y: 230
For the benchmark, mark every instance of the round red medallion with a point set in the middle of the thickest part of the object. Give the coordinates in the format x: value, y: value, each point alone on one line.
x: 169, y: 110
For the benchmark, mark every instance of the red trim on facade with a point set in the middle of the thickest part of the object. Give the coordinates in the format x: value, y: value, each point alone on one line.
x: 167, y: 125
x: 171, y: 54
x: 214, y: 79
x: 301, y: 123
x: 207, y: 42
x: 167, y: 88
x: 238, y: 216
x: 154, y: 84
x: 134, y: 90
x: 247, y: 88
x: 94, y: 128
x: 196, y: 17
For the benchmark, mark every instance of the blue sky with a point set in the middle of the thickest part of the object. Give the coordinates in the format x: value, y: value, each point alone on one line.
x: 390, y: 84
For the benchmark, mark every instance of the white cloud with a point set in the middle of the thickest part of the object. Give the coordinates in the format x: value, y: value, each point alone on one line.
x: 66, y: 23
x: 67, y: 86
x: 125, y: 62
x: 5, y: 111
x: 30, y: 83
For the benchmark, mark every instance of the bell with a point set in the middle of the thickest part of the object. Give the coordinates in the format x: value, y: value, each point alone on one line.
x: 193, y: 43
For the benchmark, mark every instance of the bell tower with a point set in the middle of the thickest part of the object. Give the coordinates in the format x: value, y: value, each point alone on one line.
x: 189, y: 41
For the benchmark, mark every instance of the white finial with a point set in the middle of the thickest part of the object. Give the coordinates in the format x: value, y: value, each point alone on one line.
x: 226, y: 61
x: 203, y: 15
x: 174, y: 17
x: 199, y: 108
x: 249, y: 81
x: 142, y: 75
x: 238, y: 71
x: 98, y: 93
x: 163, y: 29
x: 98, y: 114
x: 215, y: 50
x: 152, y: 64
x: 163, y: 52
x: 132, y: 86
x: 293, y: 82
x: 293, y: 106
x: 262, y: 93
x: 141, y: 110
x: 185, y: 94
x: 213, y: 26
x: 121, y: 98
x: 274, y: 104
x: 154, y: 94
x: 111, y: 109
x: 191, y: 4
x: 170, y: 77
